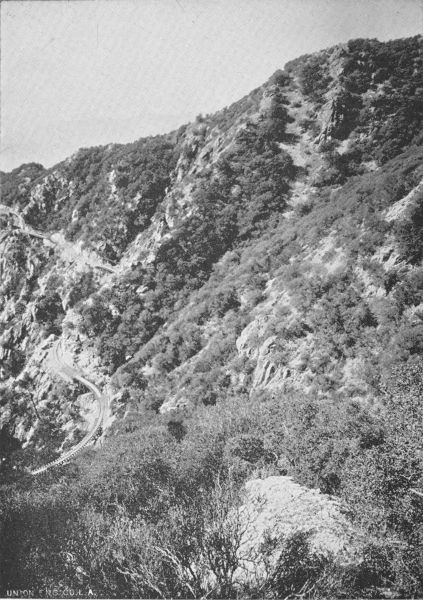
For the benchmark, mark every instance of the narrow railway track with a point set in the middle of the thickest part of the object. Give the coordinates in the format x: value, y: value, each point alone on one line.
x: 61, y: 367
x: 20, y: 224
x: 70, y: 372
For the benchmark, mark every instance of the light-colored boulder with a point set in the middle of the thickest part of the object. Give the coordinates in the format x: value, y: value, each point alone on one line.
x: 279, y: 507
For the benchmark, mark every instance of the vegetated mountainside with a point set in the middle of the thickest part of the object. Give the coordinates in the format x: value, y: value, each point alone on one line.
x: 248, y: 291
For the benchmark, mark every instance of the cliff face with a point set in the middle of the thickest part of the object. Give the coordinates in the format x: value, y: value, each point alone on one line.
x: 261, y: 248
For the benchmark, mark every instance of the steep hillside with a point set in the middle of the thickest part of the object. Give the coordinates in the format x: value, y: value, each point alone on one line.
x: 247, y: 293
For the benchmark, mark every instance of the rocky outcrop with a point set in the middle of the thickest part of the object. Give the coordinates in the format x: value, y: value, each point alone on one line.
x: 334, y: 116
x: 398, y: 210
x: 275, y: 508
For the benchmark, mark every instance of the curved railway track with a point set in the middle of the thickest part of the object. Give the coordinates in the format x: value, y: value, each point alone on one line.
x: 70, y: 372
x: 61, y: 367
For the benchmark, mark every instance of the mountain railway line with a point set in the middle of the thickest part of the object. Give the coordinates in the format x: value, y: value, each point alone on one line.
x: 69, y: 373
x: 60, y: 366
x: 25, y: 228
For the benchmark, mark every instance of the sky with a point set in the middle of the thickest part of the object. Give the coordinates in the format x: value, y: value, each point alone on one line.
x: 79, y: 73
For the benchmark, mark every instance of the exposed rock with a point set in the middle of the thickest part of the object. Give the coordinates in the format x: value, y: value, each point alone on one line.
x: 175, y: 403
x: 278, y: 507
x: 397, y: 210
x: 334, y: 120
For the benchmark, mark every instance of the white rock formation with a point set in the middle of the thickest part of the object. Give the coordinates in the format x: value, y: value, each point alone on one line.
x: 279, y: 507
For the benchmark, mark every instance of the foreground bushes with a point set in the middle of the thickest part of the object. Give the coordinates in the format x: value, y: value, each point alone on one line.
x: 157, y: 515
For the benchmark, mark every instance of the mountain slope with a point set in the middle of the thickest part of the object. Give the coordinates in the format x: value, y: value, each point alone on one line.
x: 242, y: 290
